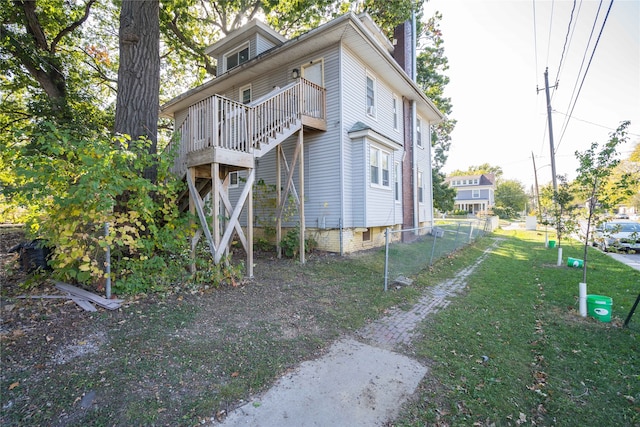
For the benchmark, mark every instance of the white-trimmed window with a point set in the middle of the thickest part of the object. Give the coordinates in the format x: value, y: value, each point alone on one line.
x: 419, y: 132
x: 475, y: 194
x: 237, y: 57
x: 395, y: 106
x: 396, y: 181
x: 379, y: 167
x: 245, y: 94
x: 233, y: 179
x: 420, y: 187
x: 371, y: 96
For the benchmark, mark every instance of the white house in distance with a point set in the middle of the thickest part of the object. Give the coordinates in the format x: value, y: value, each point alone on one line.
x: 332, y: 119
x: 474, y: 193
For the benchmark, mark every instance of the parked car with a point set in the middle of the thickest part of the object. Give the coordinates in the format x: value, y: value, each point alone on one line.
x: 618, y: 235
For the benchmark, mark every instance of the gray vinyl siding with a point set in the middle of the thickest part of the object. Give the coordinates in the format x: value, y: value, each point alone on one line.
x: 468, y: 194
x: 262, y: 44
x: 371, y: 206
x: 321, y: 149
x: 359, y: 178
x: 380, y: 201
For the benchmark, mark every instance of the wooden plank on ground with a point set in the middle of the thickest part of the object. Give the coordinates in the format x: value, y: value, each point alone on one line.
x: 110, y: 304
x: 83, y: 303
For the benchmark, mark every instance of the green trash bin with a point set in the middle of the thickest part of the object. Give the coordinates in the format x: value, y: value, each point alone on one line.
x: 599, y: 307
x: 574, y: 262
x: 552, y: 243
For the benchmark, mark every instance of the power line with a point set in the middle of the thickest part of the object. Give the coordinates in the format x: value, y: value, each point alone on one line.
x: 550, y: 27
x: 594, y: 124
x: 584, y: 76
x: 566, y: 41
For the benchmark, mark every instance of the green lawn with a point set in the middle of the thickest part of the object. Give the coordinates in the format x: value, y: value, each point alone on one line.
x: 178, y: 359
x: 514, y: 349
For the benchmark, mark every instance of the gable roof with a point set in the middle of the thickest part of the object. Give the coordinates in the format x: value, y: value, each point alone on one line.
x: 483, y: 179
x: 348, y: 29
x: 251, y: 28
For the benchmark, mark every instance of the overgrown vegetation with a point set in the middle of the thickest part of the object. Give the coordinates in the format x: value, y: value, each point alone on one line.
x: 68, y: 181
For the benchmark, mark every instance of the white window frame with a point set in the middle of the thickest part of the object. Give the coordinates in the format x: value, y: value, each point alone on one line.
x: 376, y: 170
x: 397, y: 189
x: 395, y: 103
x: 419, y: 132
x: 370, y: 98
x: 420, y: 179
x: 234, y: 182
x: 475, y: 193
x: 236, y: 51
x: 241, y: 93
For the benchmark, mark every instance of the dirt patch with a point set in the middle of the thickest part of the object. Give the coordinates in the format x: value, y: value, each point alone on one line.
x: 172, y: 359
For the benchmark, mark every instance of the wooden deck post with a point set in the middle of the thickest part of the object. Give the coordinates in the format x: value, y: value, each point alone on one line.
x: 301, y: 204
x: 278, y: 198
x: 215, y: 201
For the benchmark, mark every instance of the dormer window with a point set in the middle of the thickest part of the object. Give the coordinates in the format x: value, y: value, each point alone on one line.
x: 237, y: 57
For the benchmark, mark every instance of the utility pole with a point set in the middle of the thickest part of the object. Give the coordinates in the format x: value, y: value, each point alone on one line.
x: 553, y: 154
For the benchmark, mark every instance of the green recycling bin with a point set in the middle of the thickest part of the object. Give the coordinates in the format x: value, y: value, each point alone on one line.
x: 574, y: 262
x: 552, y: 243
x: 599, y: 307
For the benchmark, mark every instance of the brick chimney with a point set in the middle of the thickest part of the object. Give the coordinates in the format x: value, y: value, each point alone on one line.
x: 403, y: 54
x: 403, y: 49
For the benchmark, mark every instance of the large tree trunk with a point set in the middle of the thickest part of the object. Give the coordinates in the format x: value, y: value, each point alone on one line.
x: 137, y: 103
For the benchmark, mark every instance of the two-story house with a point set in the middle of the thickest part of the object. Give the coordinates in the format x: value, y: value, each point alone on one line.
x: 331, y: 118
x: 474, y: 193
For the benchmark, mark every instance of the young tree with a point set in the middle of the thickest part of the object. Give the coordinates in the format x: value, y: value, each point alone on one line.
x: 563, y: 209
x: 596, y: 166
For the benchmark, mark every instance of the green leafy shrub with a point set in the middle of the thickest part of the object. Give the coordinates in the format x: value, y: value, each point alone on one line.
x: 506, y: 212
x: 75, y: 184
x: 290, y: 243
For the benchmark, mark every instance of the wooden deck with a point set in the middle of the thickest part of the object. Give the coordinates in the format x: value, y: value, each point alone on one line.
x: 220, y: 130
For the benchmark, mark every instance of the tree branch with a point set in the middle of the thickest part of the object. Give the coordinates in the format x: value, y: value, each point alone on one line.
x: 73, y: 26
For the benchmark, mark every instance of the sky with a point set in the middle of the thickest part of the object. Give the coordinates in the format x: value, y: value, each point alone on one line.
x: 498, y: 51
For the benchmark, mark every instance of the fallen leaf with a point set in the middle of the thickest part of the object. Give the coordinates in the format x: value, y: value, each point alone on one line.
x: 235, y: 374
x: 14, y: 385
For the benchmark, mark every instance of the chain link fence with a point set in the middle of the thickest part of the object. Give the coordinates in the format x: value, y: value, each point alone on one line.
x: 410, y: 250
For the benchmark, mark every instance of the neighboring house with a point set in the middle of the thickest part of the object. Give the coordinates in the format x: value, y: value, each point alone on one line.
x: 330, y: 118
x: 474, y: 193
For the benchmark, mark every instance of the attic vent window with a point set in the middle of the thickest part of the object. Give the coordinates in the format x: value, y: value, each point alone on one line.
x: 237, y: 57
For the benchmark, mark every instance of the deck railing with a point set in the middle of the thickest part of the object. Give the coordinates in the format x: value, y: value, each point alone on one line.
x: 221, y: 122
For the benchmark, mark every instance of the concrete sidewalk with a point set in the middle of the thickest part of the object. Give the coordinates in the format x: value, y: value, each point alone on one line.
x: 357, y: 382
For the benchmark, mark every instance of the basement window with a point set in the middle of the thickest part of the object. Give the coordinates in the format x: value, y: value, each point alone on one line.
x: 366, y: 235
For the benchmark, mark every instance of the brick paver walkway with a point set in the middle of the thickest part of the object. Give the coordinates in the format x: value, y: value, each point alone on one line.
x: 398, y: 327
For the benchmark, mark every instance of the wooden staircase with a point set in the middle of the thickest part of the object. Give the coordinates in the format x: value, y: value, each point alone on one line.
x: 219, y: 136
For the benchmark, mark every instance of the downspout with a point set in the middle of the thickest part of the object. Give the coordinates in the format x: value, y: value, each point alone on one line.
x: 430, y: 177
x: 416, y: 207
x: 341, y: 219
x: 414, y: 166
